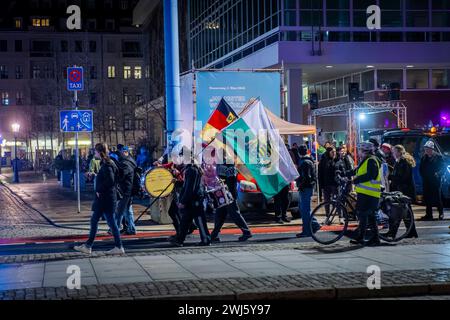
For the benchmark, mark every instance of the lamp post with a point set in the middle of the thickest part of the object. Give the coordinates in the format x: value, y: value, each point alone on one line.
x: 15, y: 129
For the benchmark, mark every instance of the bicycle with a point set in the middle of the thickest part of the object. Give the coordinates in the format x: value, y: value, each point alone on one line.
x: 330, y: 221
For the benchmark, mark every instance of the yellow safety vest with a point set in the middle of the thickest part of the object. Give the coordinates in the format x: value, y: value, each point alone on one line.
x: 369, y: 188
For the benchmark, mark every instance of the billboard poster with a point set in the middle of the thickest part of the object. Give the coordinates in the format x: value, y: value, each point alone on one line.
x: 238, y: 87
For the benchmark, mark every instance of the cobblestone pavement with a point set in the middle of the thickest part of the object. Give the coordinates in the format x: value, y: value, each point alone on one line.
x: 17, y: 220
x: 312, y: 286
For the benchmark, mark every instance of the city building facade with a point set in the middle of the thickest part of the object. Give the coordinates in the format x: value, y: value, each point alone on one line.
x: 35, y: 50
x: 323, y: 45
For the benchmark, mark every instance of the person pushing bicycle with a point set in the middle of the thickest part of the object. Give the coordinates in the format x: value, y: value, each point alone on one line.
x: 368, y: 188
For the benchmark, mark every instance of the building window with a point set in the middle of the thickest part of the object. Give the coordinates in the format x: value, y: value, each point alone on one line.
x: 138, y: 72
x: 93, y: 72
x: 92, y: 46
x: 5, y: 99
x: 368, y: 81
x: 3, y: 72
x: 92, y: 24
x: 126, y: 97
x: 110, y: 25
x: 124, y: 4
x: 111, y: 98
x: 78, y: 46
x: 147, y: 71
x: 35, y: 72
x: 3, y: 45
x: 40, y: 22
x: 139, y: 98
x: 108, y: 4
x: 18, y: 23
x: 92, y: 99
x: 48, y: 71
x: 112, y: 123
x: 441, y: 79
x: 388, y: 77
x: 127, y: 72
x: 111, y: 72
x: 18, y: 46
x: 91, y: 4
x: 19, y: 72
x: 64, y: 46
x: 127, y: 122
x: 417, y: 79
x: 19, y: 98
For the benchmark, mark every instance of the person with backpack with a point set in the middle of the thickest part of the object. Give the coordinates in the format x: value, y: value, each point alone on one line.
x: 306, y: 184
x: 127, y: 170
x: 105, y: 202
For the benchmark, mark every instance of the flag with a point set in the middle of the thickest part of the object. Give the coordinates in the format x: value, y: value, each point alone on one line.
x: 262, y: 150
x: 222, y: 117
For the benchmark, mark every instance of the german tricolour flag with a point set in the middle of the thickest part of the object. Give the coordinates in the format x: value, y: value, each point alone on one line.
x: 221, y: 118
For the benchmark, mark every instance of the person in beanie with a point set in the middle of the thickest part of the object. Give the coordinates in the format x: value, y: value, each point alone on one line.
x: 105, y: 202
x: 306, y: 184
x: 368, y: 188
x: 431, y: 170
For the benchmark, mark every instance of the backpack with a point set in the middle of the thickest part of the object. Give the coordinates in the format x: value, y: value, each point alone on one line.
x: 137, y: 189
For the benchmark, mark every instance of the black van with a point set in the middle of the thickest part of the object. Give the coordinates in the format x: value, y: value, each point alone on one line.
x: 414, y: 141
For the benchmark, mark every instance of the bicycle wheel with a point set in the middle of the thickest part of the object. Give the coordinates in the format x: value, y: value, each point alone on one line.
x: 332, y: 219
x: 397, y: 225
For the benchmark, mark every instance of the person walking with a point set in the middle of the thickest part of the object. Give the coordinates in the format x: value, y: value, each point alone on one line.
x: 402, y: 180
x: 368, y: 188
x: 306, y: 184
x: 328, y: 166
x: 105, y: 202
x: 431, y: 170
x: 191, y: 206
x: 125, y: 213
x: 212, y: 177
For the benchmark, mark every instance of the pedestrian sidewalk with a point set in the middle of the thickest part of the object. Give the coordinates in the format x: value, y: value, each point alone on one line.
x: 228, y: 274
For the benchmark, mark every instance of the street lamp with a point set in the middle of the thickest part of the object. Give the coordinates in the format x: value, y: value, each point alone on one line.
x: 15, y: 129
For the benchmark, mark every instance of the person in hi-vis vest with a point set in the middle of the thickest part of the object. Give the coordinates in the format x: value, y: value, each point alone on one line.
x: 368, y: 184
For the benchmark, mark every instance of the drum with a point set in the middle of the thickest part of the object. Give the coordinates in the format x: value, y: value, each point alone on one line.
x: 220, y: 197
x: 158, y: 182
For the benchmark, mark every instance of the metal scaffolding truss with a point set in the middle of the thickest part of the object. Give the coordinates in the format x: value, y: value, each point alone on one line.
x: 354, y: 109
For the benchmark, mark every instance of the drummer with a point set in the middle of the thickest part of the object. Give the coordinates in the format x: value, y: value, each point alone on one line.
x: 212, y: 181
x: 174, y: 213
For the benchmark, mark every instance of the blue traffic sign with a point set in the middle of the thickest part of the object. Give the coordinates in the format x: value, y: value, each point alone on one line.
x: 75, y: 79
x: 76, y: 121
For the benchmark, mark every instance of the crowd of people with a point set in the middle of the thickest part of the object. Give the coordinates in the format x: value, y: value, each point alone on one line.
x: 380, y: 168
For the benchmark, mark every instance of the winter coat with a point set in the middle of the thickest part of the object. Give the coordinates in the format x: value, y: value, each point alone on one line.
x: 126, y: 175
x: 192, y: 193
x: 431, y: 170
x: 327, y: 171
x: 106, y: 188
x: 307, y: 171
x: 402, y: 179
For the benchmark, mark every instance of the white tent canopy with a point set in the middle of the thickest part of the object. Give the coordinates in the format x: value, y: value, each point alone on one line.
x: 288, y: 128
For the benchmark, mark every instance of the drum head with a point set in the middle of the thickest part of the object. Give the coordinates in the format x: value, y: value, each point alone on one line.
x: 157, y: 180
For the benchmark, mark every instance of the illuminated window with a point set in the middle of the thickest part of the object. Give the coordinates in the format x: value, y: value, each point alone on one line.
x: 18, y: 23
x: 138, y: 72
x: 5, y: 98
x: 39, y: 22
x: 127, y: 72
x: 19, y: 98
x: 111, y: 72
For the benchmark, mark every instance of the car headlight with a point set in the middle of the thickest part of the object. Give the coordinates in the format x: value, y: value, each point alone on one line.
x: 247, y: 186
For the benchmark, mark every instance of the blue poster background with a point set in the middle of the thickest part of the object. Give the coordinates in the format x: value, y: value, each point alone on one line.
x: 237, y: 88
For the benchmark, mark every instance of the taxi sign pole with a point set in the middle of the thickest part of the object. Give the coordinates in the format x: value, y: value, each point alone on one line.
x: 77, y: 155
